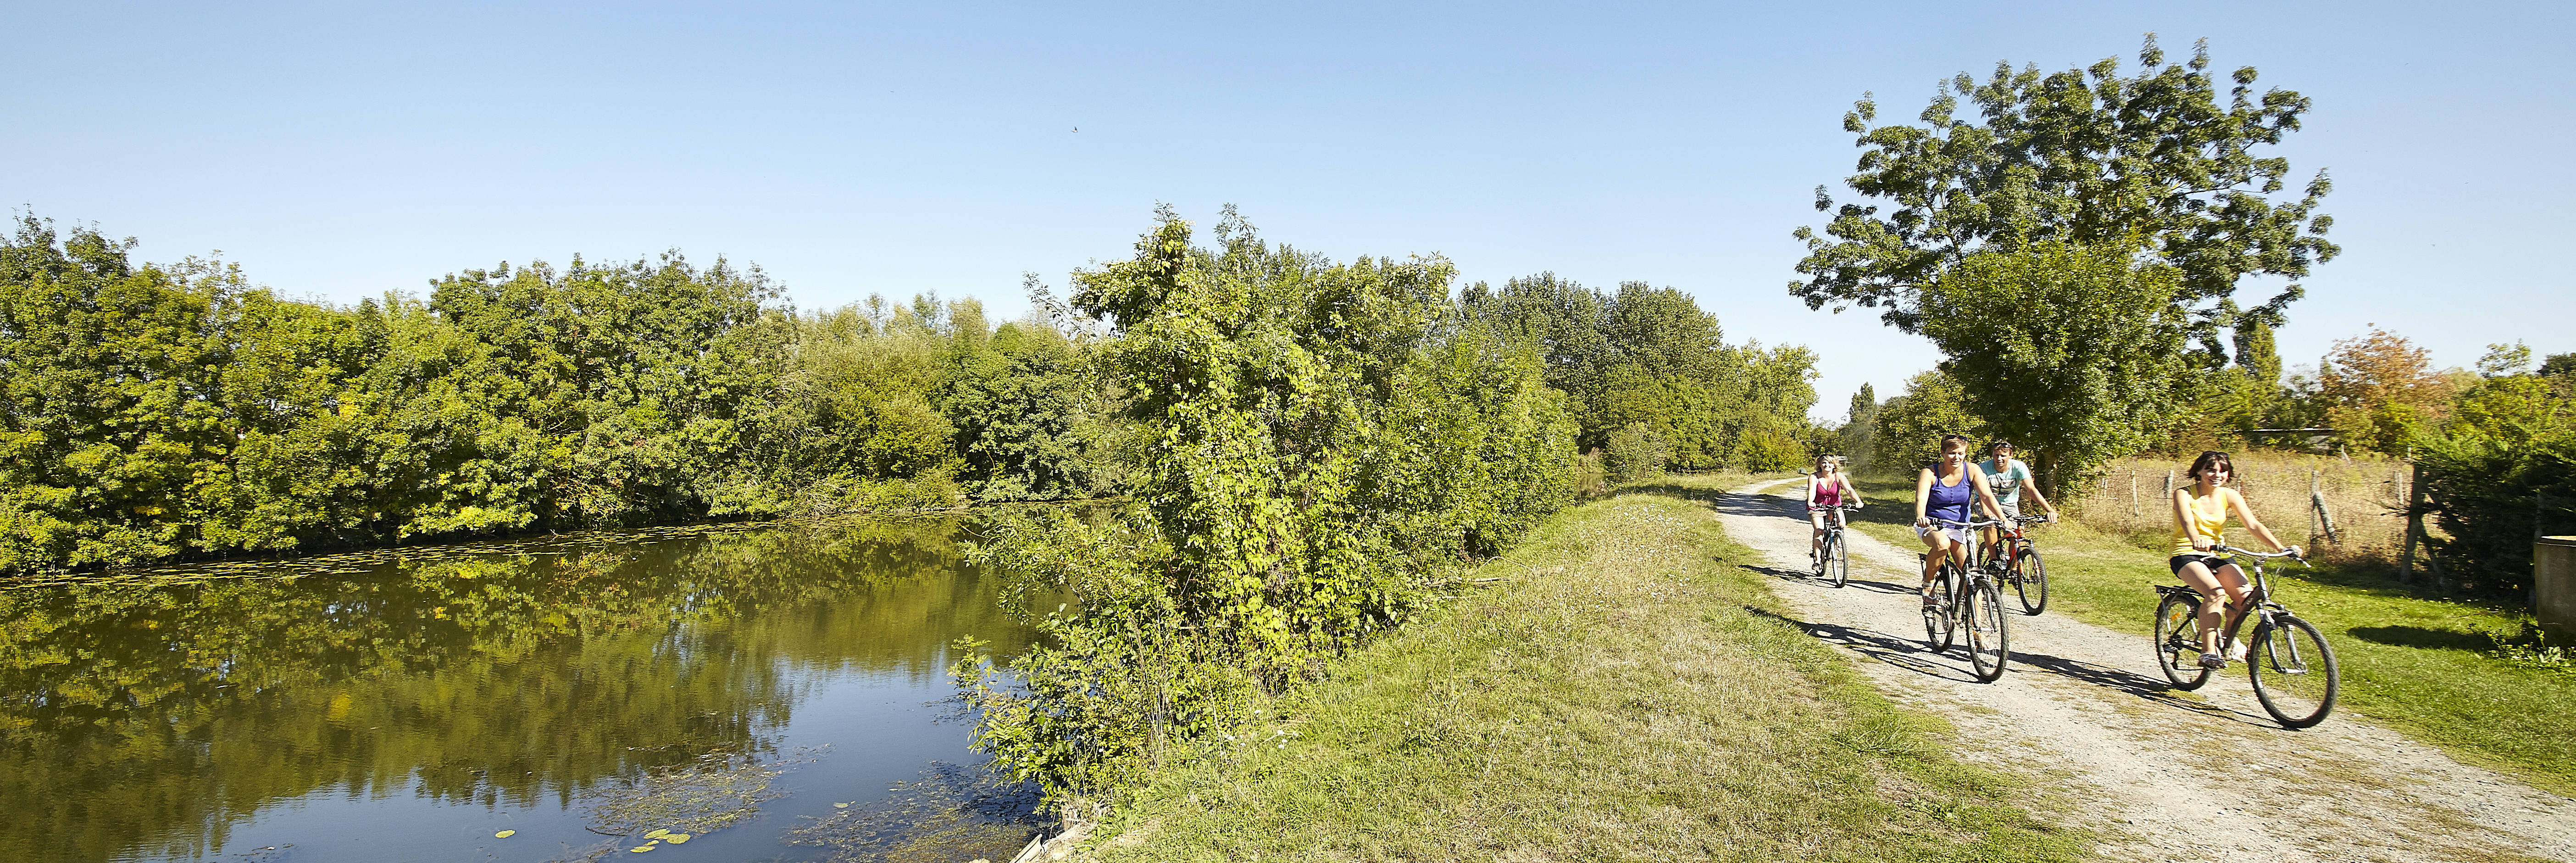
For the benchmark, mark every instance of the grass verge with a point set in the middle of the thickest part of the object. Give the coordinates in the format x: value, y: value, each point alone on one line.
x: 1626, y: 690
x: 2412, y: 661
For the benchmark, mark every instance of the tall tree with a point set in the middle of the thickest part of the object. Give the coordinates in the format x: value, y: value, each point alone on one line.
x: 2071, y: 352
x: 2085, y: 156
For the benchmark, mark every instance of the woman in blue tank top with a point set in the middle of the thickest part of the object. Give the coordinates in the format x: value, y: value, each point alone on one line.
x: 1941, y: 496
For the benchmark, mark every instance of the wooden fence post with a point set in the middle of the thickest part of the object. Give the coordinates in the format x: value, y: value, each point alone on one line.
x: 2317, y: 500
x: 2414, y: 516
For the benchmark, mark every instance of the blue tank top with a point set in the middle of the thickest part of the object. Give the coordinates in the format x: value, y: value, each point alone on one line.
x: 1949, y: 501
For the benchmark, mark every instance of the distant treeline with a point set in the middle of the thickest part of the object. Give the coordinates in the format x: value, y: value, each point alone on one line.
x: 154, y: 412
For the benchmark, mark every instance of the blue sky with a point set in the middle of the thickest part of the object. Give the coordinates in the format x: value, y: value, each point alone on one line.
x: 339, y: 151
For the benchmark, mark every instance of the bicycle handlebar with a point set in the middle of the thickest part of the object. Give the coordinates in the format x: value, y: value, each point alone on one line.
x: 1974, y: 523
x: 2291, y: 552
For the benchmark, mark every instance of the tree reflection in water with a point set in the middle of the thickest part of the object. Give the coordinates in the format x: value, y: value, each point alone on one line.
x: 146, y: 715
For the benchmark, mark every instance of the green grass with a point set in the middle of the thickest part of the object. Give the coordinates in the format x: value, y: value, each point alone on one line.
x: 2412, y: 661
x: 1627, y: 690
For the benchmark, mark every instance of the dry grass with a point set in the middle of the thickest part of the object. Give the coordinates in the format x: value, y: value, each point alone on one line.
x: 2362, y: 494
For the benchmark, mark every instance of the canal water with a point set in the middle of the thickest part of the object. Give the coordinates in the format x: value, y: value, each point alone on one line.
x: 775, y: 692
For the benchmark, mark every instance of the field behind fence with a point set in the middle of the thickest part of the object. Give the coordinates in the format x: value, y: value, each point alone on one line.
x: 2362, y: 497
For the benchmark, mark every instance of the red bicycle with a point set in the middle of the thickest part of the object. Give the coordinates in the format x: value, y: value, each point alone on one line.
x: 2017, y: 563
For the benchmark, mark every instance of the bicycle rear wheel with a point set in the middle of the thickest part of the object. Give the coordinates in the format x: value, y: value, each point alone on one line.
x: 2294, y: 672
x: 2030, y: 579
x: 2178, y: 644
x: 1837, y: 559
x: 1989, y: 630
x: 1939, y: 618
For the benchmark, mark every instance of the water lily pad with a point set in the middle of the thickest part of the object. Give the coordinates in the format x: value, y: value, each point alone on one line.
x: 639, y: 849
x: 840, y: 806
x: 505, y: 834
x: 676, y: 838
x: 658, y: 832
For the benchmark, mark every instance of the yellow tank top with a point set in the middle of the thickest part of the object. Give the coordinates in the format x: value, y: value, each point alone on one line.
x: 2200, y: 526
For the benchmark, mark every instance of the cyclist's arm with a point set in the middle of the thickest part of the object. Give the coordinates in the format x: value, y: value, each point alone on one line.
x: 2033, y: 489
x: 1922, y: 493
x: 2252, y: 525
x: 1850, y: 493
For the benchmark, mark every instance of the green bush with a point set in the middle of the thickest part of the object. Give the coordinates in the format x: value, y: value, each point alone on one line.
x: 1325, y: 439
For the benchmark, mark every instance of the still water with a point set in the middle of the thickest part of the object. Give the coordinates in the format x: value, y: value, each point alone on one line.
x: 733, y: 683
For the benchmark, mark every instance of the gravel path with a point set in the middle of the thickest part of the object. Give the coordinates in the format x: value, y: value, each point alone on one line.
x: 2155, y: 766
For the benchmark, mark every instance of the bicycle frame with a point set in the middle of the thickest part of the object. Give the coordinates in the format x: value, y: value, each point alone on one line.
x: 2259, y: 598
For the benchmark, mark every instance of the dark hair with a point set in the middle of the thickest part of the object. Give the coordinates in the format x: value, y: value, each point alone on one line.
x: 1999, y: 443
x: 2207, y: 460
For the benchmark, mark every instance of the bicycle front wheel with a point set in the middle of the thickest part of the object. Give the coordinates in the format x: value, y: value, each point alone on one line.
x: 2030, y: 579
x: 2294, y: 672
x: 2178, y: 642
x: 1989, y: 633
x: 1937, y: 619
x: 1837, y: 559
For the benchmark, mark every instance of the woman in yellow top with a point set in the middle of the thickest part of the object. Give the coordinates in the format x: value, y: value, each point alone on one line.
x: 2200, y: 519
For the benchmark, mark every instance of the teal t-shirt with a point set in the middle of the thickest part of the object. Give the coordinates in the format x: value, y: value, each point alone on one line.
x: 2005, y: 481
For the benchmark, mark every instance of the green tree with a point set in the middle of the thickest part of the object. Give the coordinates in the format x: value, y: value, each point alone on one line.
x: 2071, y: 352
x: 1909, y: 427
x: 1857, y: 441
x: 2089, y: 157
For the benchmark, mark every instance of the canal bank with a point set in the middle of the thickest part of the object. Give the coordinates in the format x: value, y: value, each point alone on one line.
x: 1622, y: 685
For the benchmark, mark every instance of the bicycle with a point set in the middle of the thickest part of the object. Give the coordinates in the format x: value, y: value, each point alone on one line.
x: 1973, y: 597
x: 1833, y: 559
x: 2292, y: 668
x: 2019, y: 564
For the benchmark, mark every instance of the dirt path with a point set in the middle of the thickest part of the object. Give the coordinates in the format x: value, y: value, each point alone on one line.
x: 2086, y: 704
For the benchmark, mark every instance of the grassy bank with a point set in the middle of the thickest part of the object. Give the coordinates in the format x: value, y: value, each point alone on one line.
x: 2415, y: 662
x: 1621, y: 689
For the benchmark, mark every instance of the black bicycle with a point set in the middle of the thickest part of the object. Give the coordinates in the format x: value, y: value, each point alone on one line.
x: 1833, y: 557
x: 2293, y: 670
x: 1970, y: 599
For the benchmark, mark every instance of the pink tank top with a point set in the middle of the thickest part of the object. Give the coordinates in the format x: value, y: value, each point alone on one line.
x: 1831, y: 494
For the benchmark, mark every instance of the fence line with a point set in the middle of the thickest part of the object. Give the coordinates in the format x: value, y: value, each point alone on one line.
x: 2341, y: 508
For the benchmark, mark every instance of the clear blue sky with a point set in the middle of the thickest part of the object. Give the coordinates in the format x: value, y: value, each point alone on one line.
x: 342, y: 150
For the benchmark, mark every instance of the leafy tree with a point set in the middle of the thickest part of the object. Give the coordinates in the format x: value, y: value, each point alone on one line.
x: 1650, y: 355
x: 1857, y: 441
x: 2086, y: 157
x: 2379, y: 389
x: 2071, y: 352
x: 1908, y: 429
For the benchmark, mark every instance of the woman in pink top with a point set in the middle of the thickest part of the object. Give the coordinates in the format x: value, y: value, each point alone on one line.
x: 1828, y: 489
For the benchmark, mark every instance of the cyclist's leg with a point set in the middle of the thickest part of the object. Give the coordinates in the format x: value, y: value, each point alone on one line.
x: 2239, y: 591
x: 1816, y: 538
x: 1937, y: 542
x: 2212, y: 605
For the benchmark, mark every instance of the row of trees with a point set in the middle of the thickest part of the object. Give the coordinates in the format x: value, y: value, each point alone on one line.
x: 154, y: 412
x: 151, y: 412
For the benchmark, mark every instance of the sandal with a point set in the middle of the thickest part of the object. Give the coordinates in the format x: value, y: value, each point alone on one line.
x: 2212, y: 661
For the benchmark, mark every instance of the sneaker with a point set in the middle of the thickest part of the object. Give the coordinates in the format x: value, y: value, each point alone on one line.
x: 1930, y: 601
x: 2212, y: 661
x: 2236, y: 652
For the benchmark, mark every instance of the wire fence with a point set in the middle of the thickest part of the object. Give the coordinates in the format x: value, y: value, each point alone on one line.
x: 2349, y: 509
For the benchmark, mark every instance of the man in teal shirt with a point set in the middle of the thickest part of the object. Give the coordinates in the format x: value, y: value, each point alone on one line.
x: 2007, y: 477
